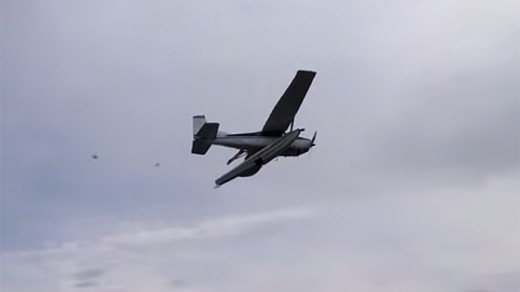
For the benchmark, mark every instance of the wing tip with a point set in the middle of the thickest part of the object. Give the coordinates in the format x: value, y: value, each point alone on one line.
x: 306, y: 72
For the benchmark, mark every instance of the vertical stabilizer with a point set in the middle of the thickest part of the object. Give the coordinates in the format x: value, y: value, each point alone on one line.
x: 198, y: 122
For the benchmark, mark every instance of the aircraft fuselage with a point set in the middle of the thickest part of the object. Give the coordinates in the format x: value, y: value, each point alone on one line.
x: 256, y: 141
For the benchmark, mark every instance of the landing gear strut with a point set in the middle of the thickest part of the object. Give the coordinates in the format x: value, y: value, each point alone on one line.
x: 239, y: 154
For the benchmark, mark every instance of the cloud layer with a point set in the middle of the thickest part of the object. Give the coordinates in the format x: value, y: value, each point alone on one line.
x: 449, y: 240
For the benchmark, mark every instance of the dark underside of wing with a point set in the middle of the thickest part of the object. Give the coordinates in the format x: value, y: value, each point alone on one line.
x: 288, y: 105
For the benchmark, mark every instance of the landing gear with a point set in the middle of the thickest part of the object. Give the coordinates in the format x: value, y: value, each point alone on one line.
x: 240, y: 153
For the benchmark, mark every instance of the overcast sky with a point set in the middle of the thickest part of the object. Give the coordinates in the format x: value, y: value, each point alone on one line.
x: 413, y: 185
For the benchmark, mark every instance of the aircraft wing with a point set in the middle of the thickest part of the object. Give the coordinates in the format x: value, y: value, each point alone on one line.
x: 248, y: 166
x: 254, y: 162
x: 288, y: 105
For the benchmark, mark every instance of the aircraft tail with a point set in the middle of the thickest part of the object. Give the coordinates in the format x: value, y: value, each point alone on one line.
x: 203, y: 133
x: 198, y: 122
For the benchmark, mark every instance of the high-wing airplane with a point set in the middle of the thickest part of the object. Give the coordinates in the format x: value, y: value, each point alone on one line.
x: 259, y: 148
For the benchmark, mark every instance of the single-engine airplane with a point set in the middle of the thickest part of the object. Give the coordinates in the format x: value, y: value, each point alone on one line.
x: 259, y: 148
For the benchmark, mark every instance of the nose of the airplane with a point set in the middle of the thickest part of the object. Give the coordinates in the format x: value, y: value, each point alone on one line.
x: 308, y: 145
x: 304, y: 145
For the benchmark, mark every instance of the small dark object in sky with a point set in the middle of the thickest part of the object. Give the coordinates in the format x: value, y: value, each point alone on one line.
x: 157, y: 164
x: 179, y: 282
x: 94, y: 156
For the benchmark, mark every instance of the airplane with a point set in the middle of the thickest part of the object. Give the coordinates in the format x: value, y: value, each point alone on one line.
x: 259, y: 148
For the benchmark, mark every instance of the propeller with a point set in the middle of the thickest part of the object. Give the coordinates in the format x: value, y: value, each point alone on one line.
x: 314, y: 138
x: 312, y: 144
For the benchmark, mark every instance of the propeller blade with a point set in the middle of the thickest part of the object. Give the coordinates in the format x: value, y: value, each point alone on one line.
x: 312, y: 144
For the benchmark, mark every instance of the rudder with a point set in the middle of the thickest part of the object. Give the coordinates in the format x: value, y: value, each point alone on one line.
x: 198, y: 122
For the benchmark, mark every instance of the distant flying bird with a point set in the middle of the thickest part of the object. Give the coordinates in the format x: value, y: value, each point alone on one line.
x: 94, y: 156
x: 157, y: 164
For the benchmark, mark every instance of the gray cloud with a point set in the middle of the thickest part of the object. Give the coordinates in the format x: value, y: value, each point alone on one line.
x: 87, y: 284
x: 89, y: 274
x: 505, y: 281
x: 179, y: 283
x: 431, y: 243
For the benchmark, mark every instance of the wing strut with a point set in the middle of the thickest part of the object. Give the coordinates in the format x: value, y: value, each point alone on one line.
x: 240, y: 153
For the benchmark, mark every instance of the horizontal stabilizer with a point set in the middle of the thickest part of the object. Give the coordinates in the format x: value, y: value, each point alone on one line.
x: 200, y: 147
x: 207, y: 131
